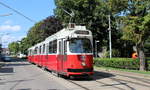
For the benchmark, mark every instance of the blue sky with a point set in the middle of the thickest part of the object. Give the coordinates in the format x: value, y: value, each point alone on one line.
x: 15, y: 27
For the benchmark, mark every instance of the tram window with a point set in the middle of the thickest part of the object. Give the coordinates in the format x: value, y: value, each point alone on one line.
x: 55, y: 46
x: 65, y: 47
x: 80, y: 45
x: 59, y: 47
x: 47, y: 47
x: 50, y: 47
x: 43, y: 48
x: 32, y: 52
x: 36, y: 50
x: 40, y: 51
x: 29, y: 52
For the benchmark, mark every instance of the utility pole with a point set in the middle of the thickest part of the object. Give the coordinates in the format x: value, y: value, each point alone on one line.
x: 110, y: 44
x: 96, y: 51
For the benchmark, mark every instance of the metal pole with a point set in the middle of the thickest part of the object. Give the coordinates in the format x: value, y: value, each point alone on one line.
x: 95, y: 49
x: 110, y: 44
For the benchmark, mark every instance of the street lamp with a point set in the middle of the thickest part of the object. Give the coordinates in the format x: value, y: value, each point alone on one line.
x: 96, y: 51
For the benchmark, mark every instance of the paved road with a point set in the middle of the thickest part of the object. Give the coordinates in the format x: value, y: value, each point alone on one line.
x: 25, y: 76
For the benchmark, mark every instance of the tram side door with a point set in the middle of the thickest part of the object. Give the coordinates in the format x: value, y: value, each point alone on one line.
x: 62, y: 54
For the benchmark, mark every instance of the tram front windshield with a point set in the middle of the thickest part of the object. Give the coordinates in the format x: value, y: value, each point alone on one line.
x: 80, y: 45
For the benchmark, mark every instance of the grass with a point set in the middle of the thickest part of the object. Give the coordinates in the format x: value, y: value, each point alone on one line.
x: 124, y: 70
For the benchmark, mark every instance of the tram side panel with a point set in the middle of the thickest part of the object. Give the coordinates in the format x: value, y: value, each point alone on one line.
x: 51, y: 63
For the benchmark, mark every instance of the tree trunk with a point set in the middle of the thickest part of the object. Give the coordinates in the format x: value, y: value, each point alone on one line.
x: 140, y: 50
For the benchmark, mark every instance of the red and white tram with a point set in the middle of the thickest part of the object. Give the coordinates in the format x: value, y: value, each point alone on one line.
x: 68, y: 52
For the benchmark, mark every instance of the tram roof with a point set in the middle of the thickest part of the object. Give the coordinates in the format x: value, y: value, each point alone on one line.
x: 61, y: 34
x: 66, y: 32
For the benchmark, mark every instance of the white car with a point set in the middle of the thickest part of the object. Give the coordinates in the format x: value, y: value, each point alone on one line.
x: 21, y: 56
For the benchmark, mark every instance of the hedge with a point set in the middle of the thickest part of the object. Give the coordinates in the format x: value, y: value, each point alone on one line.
x: 124, y: 63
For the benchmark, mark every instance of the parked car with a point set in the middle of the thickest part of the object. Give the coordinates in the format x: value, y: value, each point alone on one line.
x: 6, y: 58
x: 21, y: 56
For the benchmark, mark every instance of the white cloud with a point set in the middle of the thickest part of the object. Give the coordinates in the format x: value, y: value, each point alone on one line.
x: 10, y: 28
x: 6, y: 39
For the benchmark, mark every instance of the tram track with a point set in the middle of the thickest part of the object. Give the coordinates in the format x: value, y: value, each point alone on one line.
x: 105, y: 84
x: 115, y: 79
x: 123, y: 82
x: 81, y: 86
x: 118, y: 80
x: 140, y: 79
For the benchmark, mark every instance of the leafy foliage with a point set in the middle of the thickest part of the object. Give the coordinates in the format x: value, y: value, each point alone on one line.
x: 94, y: 15
x: 37, y: 33
x: 137, y: 27
x: 43, y: 29
x: 14, y: 47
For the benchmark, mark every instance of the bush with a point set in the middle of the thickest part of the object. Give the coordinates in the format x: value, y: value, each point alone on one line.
x: 115, y: 53
x: 124, y: 63
x: 149, y: 65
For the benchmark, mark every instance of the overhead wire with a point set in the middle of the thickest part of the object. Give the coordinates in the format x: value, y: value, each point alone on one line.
x: 18, y: 12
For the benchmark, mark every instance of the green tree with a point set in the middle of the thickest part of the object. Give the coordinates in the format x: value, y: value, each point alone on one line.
x: 39, y: 32
x: 137, y: 28
x: 34, y: 34
x: 43, y: 29
x: 14, y: 48
x: 94, y: 15
x: 24, y: 45
x: 90, y: 13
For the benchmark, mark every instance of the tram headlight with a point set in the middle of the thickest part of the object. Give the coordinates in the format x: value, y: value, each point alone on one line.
x: 83, y: 64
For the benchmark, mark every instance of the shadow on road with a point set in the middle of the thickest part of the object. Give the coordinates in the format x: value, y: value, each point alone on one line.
x: 18, y: 64
x: 6, y: 70
x: 97, y: 75
x: 100, y: 75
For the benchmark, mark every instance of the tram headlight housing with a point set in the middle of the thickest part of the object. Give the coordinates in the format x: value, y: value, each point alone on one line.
x: 83, y: 64
x: 83, y: 59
